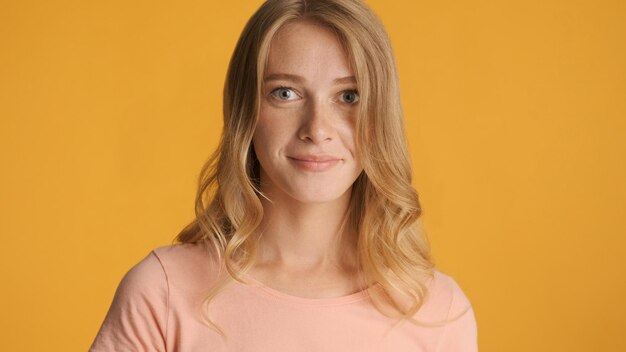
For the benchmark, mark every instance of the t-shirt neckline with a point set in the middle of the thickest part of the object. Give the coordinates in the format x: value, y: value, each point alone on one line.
x: 267, y: 291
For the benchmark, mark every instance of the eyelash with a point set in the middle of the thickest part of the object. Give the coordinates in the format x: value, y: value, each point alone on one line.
x: 355, y: 91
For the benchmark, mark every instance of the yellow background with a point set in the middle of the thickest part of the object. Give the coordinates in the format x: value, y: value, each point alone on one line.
x: 516, y: 121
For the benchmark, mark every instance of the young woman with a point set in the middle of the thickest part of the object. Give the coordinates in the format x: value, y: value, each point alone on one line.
x: 305, y: 237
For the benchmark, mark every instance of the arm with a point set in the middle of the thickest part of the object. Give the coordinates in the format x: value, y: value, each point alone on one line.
x: 137, y: 318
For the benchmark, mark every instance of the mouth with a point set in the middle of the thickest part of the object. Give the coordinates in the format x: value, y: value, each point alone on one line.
x: 315, y: 163
x: 318, y: 157
x: 314, y: 159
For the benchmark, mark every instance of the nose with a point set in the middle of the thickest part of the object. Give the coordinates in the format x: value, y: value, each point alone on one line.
x: 317, y: 124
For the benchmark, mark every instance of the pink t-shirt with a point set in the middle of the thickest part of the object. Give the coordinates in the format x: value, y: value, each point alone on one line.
x: 157, y: 308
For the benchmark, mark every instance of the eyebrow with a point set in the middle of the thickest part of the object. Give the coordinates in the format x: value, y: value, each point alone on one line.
x: 300, y: 79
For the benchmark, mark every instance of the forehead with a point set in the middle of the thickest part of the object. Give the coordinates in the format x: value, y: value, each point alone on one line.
x: 308, y: 49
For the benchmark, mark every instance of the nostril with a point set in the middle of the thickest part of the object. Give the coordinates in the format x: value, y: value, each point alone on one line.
x: 316, y: 129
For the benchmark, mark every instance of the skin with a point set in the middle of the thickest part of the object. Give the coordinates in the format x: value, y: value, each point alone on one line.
x: 302, y: 250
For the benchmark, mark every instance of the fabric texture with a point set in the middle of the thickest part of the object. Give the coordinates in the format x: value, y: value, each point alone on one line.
x: 157, y: 307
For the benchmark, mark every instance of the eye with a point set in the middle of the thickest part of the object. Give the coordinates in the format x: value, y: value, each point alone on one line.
x: 284, y: 93
x: 350, y: 96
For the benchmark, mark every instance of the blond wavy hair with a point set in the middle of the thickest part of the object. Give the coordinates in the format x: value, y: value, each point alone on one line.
x: 393, y: 253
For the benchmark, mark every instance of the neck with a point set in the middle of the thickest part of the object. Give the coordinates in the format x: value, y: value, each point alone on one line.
x: 306, y: 236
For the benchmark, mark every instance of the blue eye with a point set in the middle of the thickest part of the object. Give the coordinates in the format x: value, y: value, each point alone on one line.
x: 284, y: 93
x: 350, y: 96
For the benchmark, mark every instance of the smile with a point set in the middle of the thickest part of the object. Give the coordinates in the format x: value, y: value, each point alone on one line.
x: 315, y: 164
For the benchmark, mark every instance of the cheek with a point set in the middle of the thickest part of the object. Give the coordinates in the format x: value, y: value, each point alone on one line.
x: 347, y: 134
x: 262, y: 132
x: 267, y: 139
x: 259, y: 141
x: 275, y: 126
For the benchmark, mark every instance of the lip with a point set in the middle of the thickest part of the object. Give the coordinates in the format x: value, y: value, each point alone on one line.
x: 315, y: 162
x: 315, y: 157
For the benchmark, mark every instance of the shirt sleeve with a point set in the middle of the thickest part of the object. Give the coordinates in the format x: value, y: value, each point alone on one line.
x: 137, y: 317
x: 460, y: 335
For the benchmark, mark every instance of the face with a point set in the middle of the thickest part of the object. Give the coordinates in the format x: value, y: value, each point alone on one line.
x: 304, y: 138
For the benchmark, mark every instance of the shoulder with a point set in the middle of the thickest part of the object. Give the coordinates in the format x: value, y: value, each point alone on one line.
x: 189, y: 267
x: 183, y: 255
x: 148, y: 293
x: 447, y: 302
x: 153, y: 271
x: 150, y: 280
x: 139, y: 311
x: 146, y: 278
x: 180, y: 267
x: 444, y: 296
x: 446, y: 291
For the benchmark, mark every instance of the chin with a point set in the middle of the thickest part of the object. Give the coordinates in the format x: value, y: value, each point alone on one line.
x: 319, y: 195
